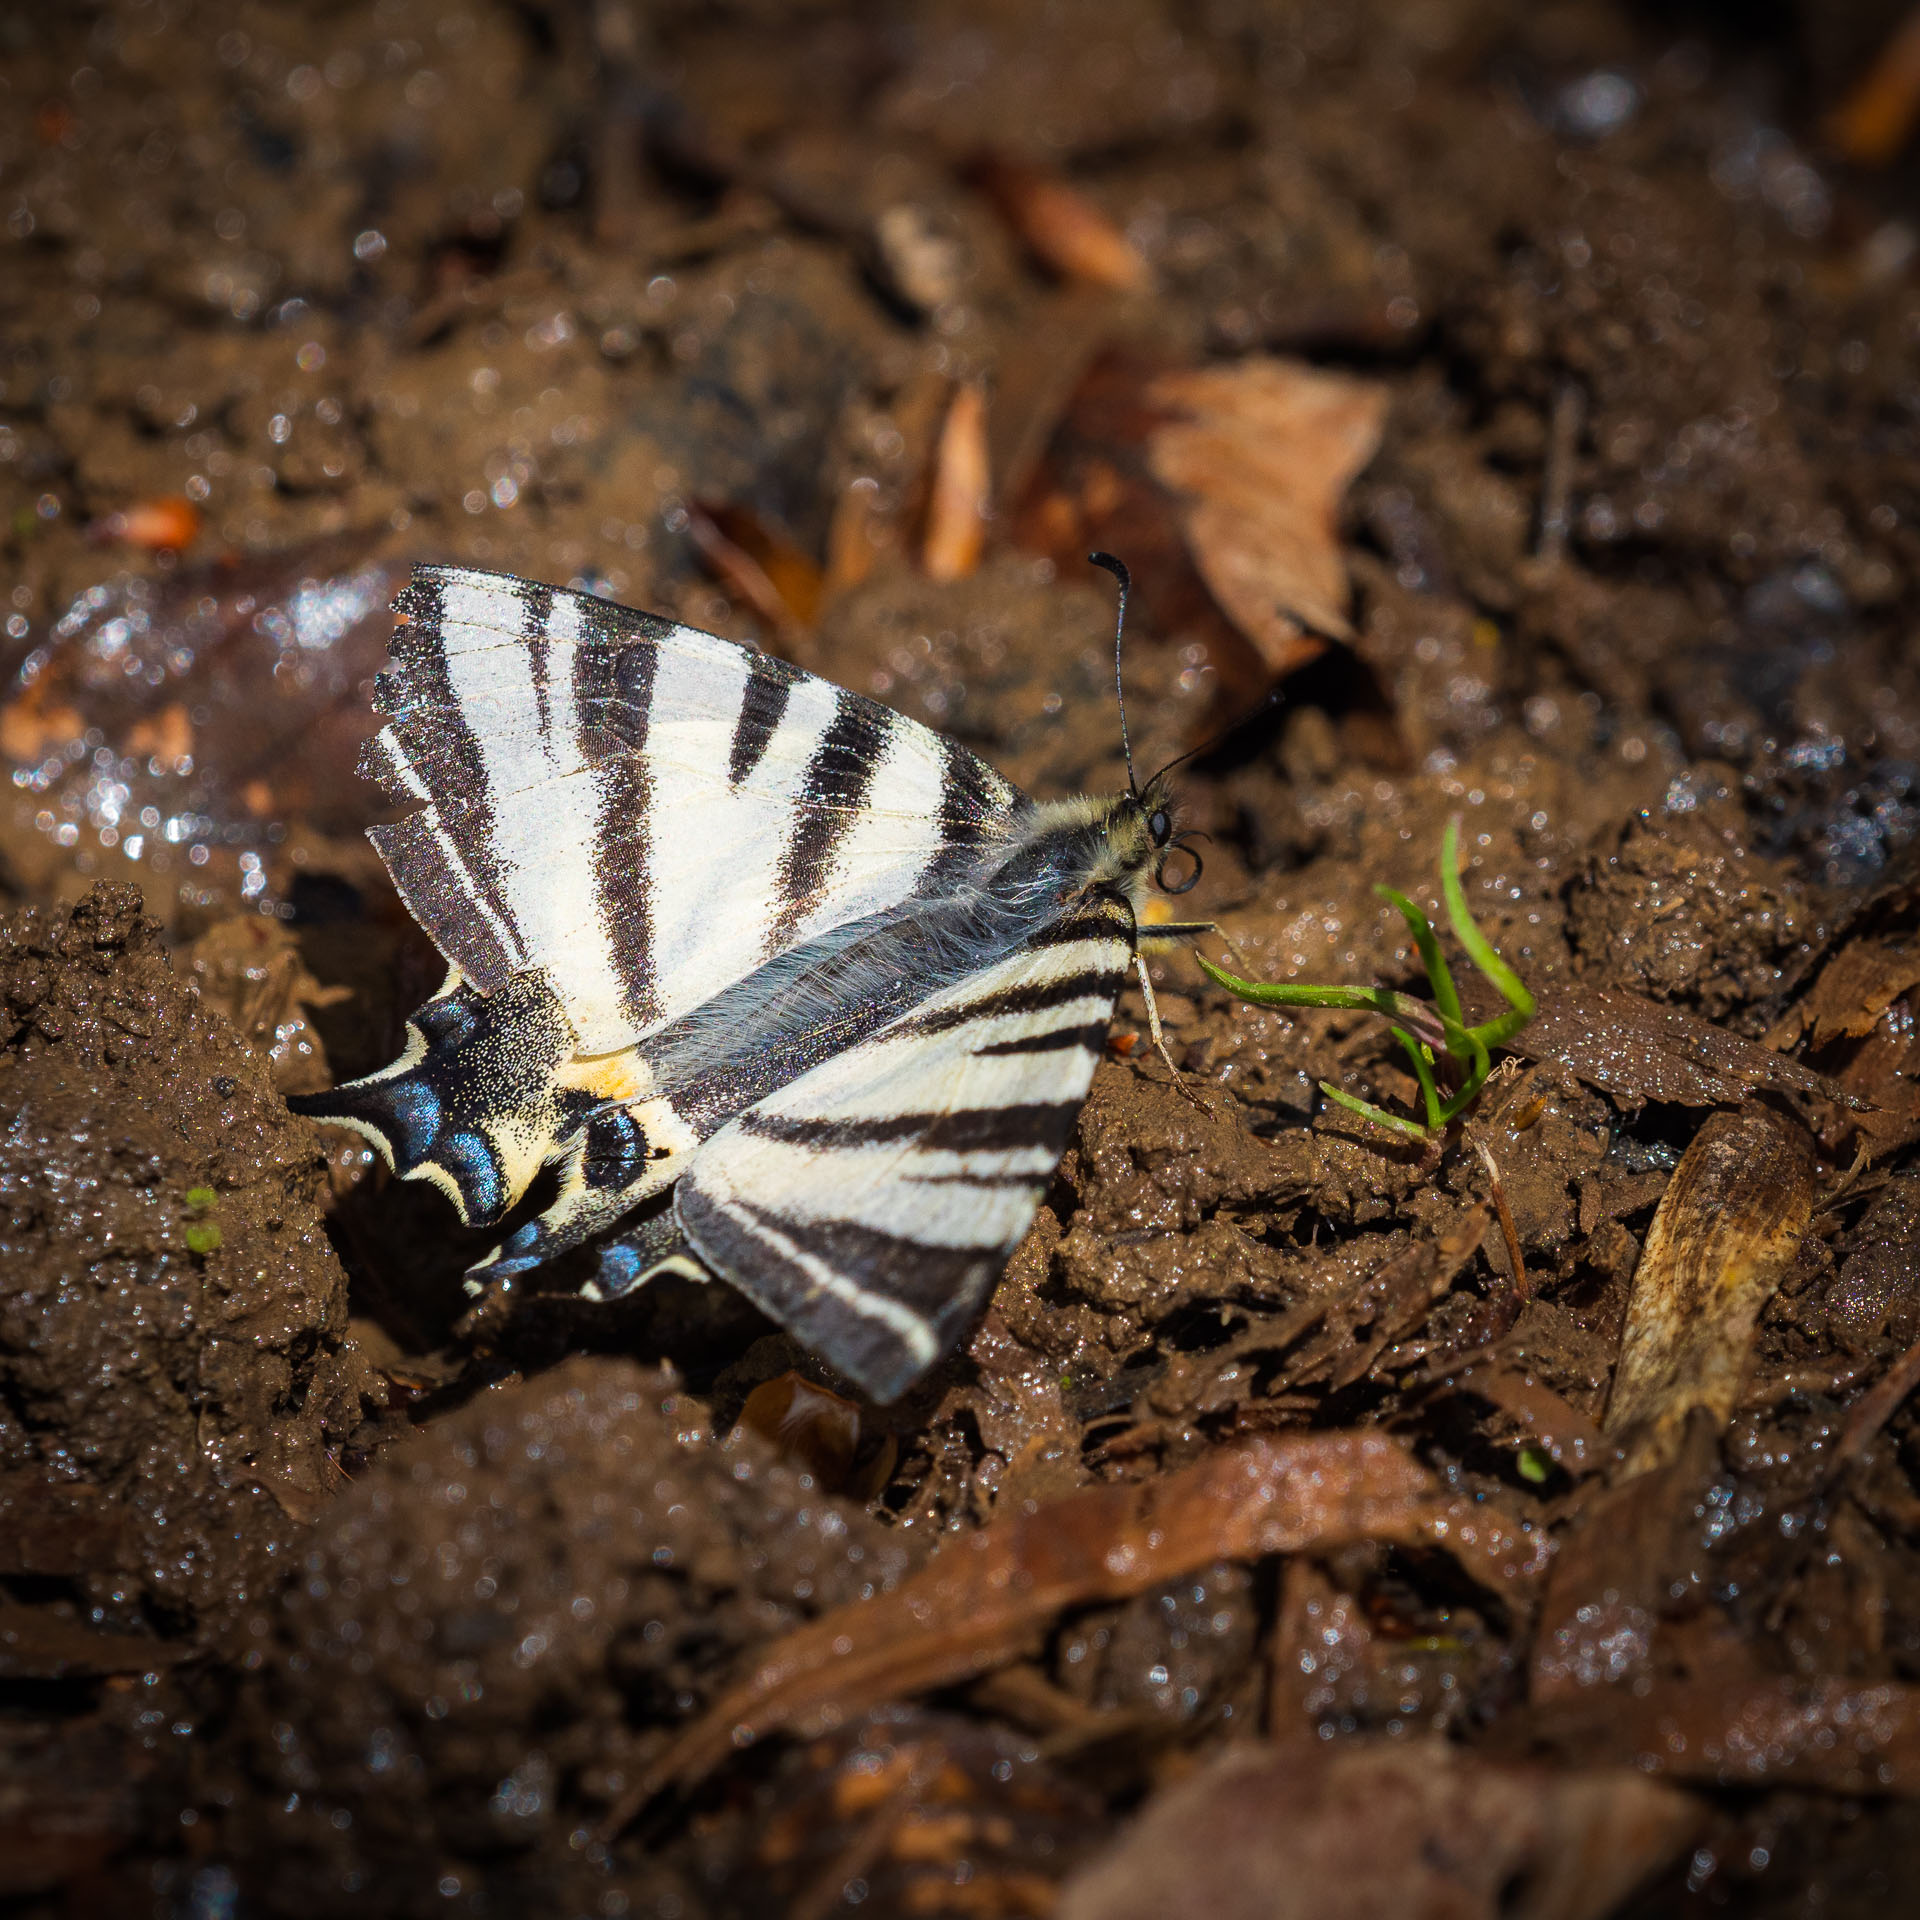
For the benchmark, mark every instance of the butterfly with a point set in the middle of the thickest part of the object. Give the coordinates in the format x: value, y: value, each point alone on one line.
x: 758, y: 977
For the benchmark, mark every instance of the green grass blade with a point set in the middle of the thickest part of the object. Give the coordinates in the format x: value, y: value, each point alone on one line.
x: 1270, y: 993
x: 1423, y: 1072
x: 1475, y: 1080
x: 1425, y: 1029
x: 1439, y: 975
x: 1478, y: 946
x: 1412, y: 1129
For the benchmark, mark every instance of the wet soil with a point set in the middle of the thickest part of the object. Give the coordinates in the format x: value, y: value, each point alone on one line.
x: 317, y: 1594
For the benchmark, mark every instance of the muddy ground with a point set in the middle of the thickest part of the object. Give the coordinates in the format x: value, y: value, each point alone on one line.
x: 1320, y: 1521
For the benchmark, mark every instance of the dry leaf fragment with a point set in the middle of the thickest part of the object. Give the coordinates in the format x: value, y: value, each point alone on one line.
x: 1262, y: 453
x: 39, y: 1644
x: 1876, y: 119
x: 1418, y: 1830
x: 820, y: 1431
x: 760, y: 565
x: 251, y: 970
x: 162, y: 526
x: 1647, y: 1051
x: 986, y: 1599
x: 1559, y: 1428
x: 1063, y: 229
x: 1854, y: 989
x: 1220, y: 489
x: 1841, y: 1735
x: 1733, y: 1217
x: 957, y: 506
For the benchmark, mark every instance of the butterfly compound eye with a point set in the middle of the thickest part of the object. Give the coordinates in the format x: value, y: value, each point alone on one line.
x: 1159, y: 827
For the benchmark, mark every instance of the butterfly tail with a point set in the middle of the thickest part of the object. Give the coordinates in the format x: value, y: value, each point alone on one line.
x: 473, y: 1105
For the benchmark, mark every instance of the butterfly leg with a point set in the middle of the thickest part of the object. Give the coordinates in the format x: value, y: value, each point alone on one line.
x: 1154, y: 1028
x: 1154, y: 938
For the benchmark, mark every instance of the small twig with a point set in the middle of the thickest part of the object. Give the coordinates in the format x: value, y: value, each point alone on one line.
x: 1556, y: 492
x: 827, y: 1890
x: 748, y: 580
x: 617, y: 36
x: 1508, y: 1232
x: 1876, y: 119
x: 1875, y: 1408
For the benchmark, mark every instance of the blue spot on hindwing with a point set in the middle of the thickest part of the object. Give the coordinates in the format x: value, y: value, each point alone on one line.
x: 476, y: 1171
x: 521, y: 1250
x: 412, y: 1120
x: 620, y: 1270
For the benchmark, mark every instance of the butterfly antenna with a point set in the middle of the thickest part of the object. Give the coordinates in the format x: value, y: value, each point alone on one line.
x: 1119, y: 571
x: 1274, y: 693
x: 1214, y: 739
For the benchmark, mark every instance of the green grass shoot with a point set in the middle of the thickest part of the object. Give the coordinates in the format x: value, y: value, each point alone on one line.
x: 1424, y: 1029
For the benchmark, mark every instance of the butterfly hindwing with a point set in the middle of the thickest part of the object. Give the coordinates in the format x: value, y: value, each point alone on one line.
x: 869, y: 1204
x: 641, y: 811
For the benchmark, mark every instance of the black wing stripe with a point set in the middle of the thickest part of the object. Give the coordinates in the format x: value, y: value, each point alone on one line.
x: 838, y: 778
x: 444, y: 752
x: 769, y: 688
x: 1036, y: 997
x: 814, y: 1277
x: 966, y: 1130
x: 624, y: 788
x: 442, y: 894
x: 538, y: 619
x: 1092, y: 1036
x: 1106, y: 917
x: 963, y: 822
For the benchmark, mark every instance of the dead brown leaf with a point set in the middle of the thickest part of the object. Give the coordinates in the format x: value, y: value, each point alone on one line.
x: 252, y: 971
x: 1262, y: 452
x: 38, y: 1644
x: 1876, y: 119
x: 1418, y: 1829
x: 1596, y: 1624
x: 822, y: 1432
x: 760, y: 565
x: 1062, y: 228
x: 1220, y: 489
x: 985, y: 1600
x: 1647, y: 1051
x: 1828, y: 1732
x: 1731, y: 1221
x: 1561, y: 1429
x: 1854, y: 989
x: 957, y: 504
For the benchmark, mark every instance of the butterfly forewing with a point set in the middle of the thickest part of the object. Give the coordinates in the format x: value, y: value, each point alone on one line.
x: 869, y: 1204
x: 643, y: 812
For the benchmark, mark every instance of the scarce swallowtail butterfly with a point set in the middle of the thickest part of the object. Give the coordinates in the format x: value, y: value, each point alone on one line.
x: 750, y: 968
